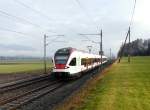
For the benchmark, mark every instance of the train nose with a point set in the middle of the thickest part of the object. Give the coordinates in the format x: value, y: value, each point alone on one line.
x: 60, y: 66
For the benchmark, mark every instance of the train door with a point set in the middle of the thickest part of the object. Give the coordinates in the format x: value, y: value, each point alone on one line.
x: 73, y: 66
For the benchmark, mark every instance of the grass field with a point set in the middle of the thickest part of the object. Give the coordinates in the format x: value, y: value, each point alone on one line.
x: 21, y: 66
x: 123, y: 87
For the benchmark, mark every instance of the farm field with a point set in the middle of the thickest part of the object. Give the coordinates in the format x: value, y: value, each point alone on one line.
x: 123, y: 87
x: 21, y: 66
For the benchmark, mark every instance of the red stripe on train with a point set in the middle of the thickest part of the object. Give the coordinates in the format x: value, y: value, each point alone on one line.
x: 60, y: 66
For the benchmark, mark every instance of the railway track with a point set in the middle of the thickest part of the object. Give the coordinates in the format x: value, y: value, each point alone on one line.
x: 22, y: 83
x: 32, y: 98
x: 29, y: 96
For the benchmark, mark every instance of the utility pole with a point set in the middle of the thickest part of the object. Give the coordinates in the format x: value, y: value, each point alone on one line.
x: 45, y: 45
x: 110, y: 54
x: 100, y: 43
x: 129, y: 46
x: 101, y: 48
x: 122, y: 49
x: 121, y: 53
x: 45, y: 53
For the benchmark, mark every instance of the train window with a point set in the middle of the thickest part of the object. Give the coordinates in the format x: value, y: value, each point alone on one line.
x: 61, y: 59
x: 73, y: 62
x: 104, y: 59
x: 83, y: 61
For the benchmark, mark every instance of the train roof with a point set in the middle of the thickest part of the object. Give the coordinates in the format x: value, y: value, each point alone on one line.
x: 69, y: 50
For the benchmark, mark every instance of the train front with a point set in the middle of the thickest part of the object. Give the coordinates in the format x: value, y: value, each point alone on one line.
x: 60, y: 62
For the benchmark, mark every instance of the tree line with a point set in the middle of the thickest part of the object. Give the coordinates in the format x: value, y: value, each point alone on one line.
x: 138, y: 47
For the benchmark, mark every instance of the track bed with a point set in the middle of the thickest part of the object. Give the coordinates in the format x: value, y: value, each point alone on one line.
x: 42, y: 95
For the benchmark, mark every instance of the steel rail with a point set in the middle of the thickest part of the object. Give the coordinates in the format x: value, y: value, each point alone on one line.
x: 22, y: 84
x: 23, y: 99
x: 20, y: 81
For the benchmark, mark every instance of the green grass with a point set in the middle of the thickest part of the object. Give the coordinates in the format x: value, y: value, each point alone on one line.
x: 26, y: 66
x: 124, y: 87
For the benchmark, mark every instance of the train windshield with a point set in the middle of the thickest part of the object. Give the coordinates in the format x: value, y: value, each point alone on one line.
x: 61, y: 59
x: 64, y: 51
x: 62, y: 55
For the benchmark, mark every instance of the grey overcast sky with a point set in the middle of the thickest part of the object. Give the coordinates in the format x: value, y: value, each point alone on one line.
x: 38, y: 17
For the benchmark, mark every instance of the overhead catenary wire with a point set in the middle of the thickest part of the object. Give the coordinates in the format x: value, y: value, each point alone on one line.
x: 37, y: 11
x: 133, y: 12
x: 22, y: 20
x: 18, y: 32
x: 88, y: 16
x: 88, y: 39
x: 18, y: 18
x: 83, y: 8
x: 41, y: 13
x: 85, y: 12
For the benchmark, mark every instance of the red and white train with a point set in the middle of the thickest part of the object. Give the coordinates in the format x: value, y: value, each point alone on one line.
x: 69, y: 62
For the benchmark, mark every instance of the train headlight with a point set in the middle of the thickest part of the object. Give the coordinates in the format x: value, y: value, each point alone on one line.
x: 66, y: 67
